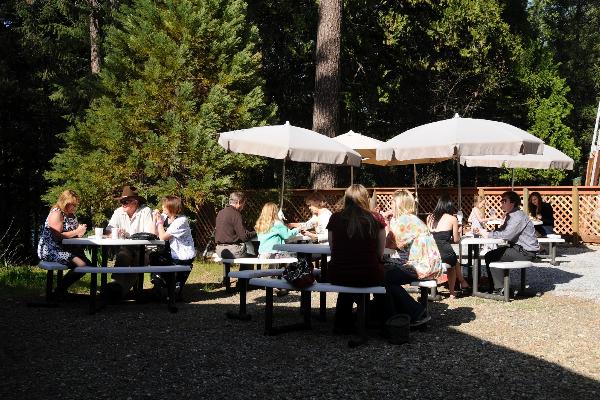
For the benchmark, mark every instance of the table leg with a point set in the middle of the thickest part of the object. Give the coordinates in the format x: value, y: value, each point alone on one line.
x: 104, y: 277
x: 171, y: 292
x: 323, y: 295
x: 93, y: 288
x: 507, y: 285
x: 475, y: 267
x: 552, y: 250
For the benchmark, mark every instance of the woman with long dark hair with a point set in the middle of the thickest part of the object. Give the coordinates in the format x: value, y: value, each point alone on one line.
x: 357, y: 239
x: 541, y: 211
x: 443, y: 225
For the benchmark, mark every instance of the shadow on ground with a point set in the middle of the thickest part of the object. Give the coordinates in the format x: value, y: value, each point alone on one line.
x: 143, y: 352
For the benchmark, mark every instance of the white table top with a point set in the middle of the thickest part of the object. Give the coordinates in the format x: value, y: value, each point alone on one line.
x: 536, y: 222
x: 111, y: 242
x: 495, y: 222
x: 307, y: 248
x: 480, y: 240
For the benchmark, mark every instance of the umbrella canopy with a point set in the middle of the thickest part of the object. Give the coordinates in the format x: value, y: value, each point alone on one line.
x: 551, y: 158
x: 455, y: 137
x: 289, y: 142
x: 363, y: 145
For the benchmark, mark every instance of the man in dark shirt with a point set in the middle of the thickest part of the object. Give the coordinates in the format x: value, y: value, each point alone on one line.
x: 230, y: 233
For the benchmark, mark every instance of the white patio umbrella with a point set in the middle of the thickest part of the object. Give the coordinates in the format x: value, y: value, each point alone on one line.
x: 456, y: 137
x: 288, y: 142
x: 367, y: 147
x: 551, y: 159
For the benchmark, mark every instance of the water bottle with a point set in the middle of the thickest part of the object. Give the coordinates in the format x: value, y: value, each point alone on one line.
x: 492, y: 213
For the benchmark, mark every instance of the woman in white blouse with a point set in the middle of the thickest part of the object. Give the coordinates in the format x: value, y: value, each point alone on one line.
x: 173, y: 226
x: 319, y: 219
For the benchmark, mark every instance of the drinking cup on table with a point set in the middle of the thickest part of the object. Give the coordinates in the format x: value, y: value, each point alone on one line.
x: 99, y: 232
x: 114, y: 233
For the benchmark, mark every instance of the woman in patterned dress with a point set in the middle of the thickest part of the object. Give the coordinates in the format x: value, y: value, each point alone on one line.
x: 419, y: 257
x: 60, y: 224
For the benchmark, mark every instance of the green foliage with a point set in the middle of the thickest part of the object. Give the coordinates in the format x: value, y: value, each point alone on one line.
x: 570, y: 31
x: 175, y: 74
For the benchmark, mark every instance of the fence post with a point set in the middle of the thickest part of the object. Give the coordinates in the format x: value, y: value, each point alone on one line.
x: 575, y: 222
x: 526, y: 201
x: 481, y: 192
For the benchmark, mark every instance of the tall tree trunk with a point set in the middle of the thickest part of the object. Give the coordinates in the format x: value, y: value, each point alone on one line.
x: 327, y: 83
x: 94, y: 37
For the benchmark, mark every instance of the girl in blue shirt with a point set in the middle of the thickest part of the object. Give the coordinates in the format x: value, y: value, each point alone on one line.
x: 271, y: 231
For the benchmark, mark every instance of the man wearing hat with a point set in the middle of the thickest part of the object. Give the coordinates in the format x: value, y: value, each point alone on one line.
x: 133, y: 216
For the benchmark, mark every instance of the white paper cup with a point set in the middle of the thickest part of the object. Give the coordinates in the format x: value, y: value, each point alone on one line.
x: 99, y: 232
x: 114, y: 233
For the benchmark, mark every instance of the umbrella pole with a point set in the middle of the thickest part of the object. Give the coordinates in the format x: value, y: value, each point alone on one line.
x: 512, y: 180
x: 282, y: 186
x: 351, y: 176
x: 459, y: 188
x: 416, y: 186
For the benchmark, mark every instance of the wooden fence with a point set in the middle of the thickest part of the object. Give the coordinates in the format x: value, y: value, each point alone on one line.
x: 574, y: 206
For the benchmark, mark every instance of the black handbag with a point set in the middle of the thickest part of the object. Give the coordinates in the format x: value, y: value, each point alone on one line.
x: 299, y: 274
x: 144, y: 236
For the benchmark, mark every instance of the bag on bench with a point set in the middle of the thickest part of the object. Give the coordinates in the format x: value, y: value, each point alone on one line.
x: 299, y: 274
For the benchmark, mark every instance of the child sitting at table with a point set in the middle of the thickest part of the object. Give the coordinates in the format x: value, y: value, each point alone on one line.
x: 478, y: 221
x: 271, y: 231
x: 174, y: 227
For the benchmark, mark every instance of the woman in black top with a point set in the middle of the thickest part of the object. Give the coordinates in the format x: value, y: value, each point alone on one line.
x: 443, y: 225
x: 541, y: 211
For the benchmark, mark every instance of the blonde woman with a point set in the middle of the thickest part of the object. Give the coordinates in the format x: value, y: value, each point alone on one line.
x: 60, y: 224
x: 410, y: 235
x: 477, y: 218
x: 271, y: 231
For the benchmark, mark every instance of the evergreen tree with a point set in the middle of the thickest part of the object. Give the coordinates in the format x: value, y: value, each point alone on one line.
x: 175, y: 73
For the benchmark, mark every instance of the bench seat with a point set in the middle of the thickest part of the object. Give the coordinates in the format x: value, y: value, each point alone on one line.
x: 364, y: 292
x: 50, y: 267
x: 141, y: 270
x: 506, y: 266
x: 248, y: 263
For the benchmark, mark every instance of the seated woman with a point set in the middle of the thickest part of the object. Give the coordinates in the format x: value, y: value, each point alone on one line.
x: 173, y: 226
x: 477, y: 218
x: 478, y: 222
x: 541, y: 211
x: 60, y: 224
x: 319, y: 219
x: 443, y: 225
x: 357, y: 239
x: 410, y: 236
x: 271, y: 231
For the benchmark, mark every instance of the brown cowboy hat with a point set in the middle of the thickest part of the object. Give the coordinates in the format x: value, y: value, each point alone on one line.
x: 130, y: 192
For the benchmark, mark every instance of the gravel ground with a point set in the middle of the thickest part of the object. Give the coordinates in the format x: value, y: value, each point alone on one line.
x: 542, y: 347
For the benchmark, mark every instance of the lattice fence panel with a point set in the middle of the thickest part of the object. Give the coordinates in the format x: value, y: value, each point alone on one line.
x: 493, y: 202
x: 296, y: 210
x: 588, y: 206
x: 562, y: 207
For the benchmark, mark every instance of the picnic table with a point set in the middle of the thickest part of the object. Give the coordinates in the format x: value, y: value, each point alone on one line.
x: 307, y: 250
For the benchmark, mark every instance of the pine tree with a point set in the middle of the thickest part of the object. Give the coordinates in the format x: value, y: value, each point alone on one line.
x: 174, y: 74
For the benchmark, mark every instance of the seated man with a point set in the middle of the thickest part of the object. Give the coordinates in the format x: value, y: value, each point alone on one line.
x: 519, y: 232
x: 230, y: 234
x: 132, y: 217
